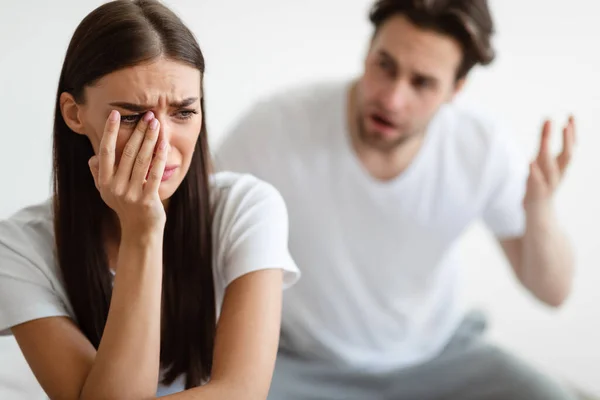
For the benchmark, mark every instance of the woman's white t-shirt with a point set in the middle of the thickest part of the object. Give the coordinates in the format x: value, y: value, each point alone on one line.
x: 250, y: 233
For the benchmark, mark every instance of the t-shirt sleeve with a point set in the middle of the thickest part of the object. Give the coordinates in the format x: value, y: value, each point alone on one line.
x: 26, y: 293
x: 256, y: 234
x: 503, y: 213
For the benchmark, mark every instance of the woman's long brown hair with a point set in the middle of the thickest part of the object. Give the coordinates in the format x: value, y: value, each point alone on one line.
x: 116, y: 35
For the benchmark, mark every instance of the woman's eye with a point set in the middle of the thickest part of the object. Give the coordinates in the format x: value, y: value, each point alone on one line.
x: 130, y: 119
x: 135, y: 118
x: 186, y: 114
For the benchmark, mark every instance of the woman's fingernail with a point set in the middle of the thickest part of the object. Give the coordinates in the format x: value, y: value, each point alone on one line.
x: 93, y: 162
x: 154, y: 124
x: 149, y: 115
x: 114, y: 116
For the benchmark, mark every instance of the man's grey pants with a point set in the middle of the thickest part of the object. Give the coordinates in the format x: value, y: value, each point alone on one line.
x: 467, y: 369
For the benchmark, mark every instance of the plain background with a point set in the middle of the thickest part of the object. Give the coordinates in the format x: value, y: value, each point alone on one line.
x: 547, y: 66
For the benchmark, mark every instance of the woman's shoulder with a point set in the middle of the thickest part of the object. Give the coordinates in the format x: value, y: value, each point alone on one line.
x: 245, y: 205
x: 30, y: 232
x: 231, y: 190
x: 30, y: 282
x: 250, y: 228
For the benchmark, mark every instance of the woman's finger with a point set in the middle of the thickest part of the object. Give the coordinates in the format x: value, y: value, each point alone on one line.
x: 144, y: 157
x: 94, y: 165
x: 157, y: 170
x: 131, y: 150
x: 106, y: 151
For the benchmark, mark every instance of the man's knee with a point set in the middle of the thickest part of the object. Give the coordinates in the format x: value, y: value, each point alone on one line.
x: 515, y: 379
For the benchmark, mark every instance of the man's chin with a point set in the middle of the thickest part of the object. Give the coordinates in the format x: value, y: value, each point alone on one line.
x: 386, y: 142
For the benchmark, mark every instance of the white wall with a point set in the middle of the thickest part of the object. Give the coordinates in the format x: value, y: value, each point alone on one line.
x: 547, y: 66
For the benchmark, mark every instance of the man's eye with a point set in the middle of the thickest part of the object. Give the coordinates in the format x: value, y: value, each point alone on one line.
x: 422, y: 83
x: 385, y: 65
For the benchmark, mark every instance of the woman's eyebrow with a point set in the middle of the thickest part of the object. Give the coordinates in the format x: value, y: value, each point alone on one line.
x: 143, y: 107
x: 184, y: 103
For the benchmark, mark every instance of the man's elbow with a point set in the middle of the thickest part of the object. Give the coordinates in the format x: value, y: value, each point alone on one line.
x: 557, y: 298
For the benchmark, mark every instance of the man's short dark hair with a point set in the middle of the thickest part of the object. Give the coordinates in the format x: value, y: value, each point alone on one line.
x: 467, y: 21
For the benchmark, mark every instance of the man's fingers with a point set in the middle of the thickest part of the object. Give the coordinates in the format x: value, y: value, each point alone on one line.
x: 545, y: 161
x: 573, y: 128
x: 564, y: 157
x: 535, y: 174
x: 536, y: 183
x: 545, y: 140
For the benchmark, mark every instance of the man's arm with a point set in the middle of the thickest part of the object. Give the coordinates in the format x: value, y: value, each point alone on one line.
x: 543, y: 258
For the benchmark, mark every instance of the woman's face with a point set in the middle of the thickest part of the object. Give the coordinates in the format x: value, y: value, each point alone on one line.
x: 170, y: 90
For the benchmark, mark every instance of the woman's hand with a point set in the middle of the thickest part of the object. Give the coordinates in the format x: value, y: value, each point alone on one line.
x: 131, y: 188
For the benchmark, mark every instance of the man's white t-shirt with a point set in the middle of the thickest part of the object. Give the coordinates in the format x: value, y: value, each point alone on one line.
x: 250, y: 233
x: 380, y: 285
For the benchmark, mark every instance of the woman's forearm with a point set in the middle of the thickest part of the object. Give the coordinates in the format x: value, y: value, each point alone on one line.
x: 216, y: 391
x: 128, y: 358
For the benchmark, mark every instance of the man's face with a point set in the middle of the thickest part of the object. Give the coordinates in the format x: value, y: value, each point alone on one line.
x: 409, y: 73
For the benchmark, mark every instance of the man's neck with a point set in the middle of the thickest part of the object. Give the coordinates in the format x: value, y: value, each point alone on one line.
x: 386, y: 166
x: 382, y: 165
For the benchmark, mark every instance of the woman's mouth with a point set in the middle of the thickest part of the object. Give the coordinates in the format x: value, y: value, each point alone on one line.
x: 167, y: 174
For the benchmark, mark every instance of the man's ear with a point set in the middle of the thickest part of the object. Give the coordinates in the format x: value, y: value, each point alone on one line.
x: 458, y: 86
x: 70, y: 111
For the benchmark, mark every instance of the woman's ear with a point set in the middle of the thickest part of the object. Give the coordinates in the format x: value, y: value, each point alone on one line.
x: 70, y: 111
